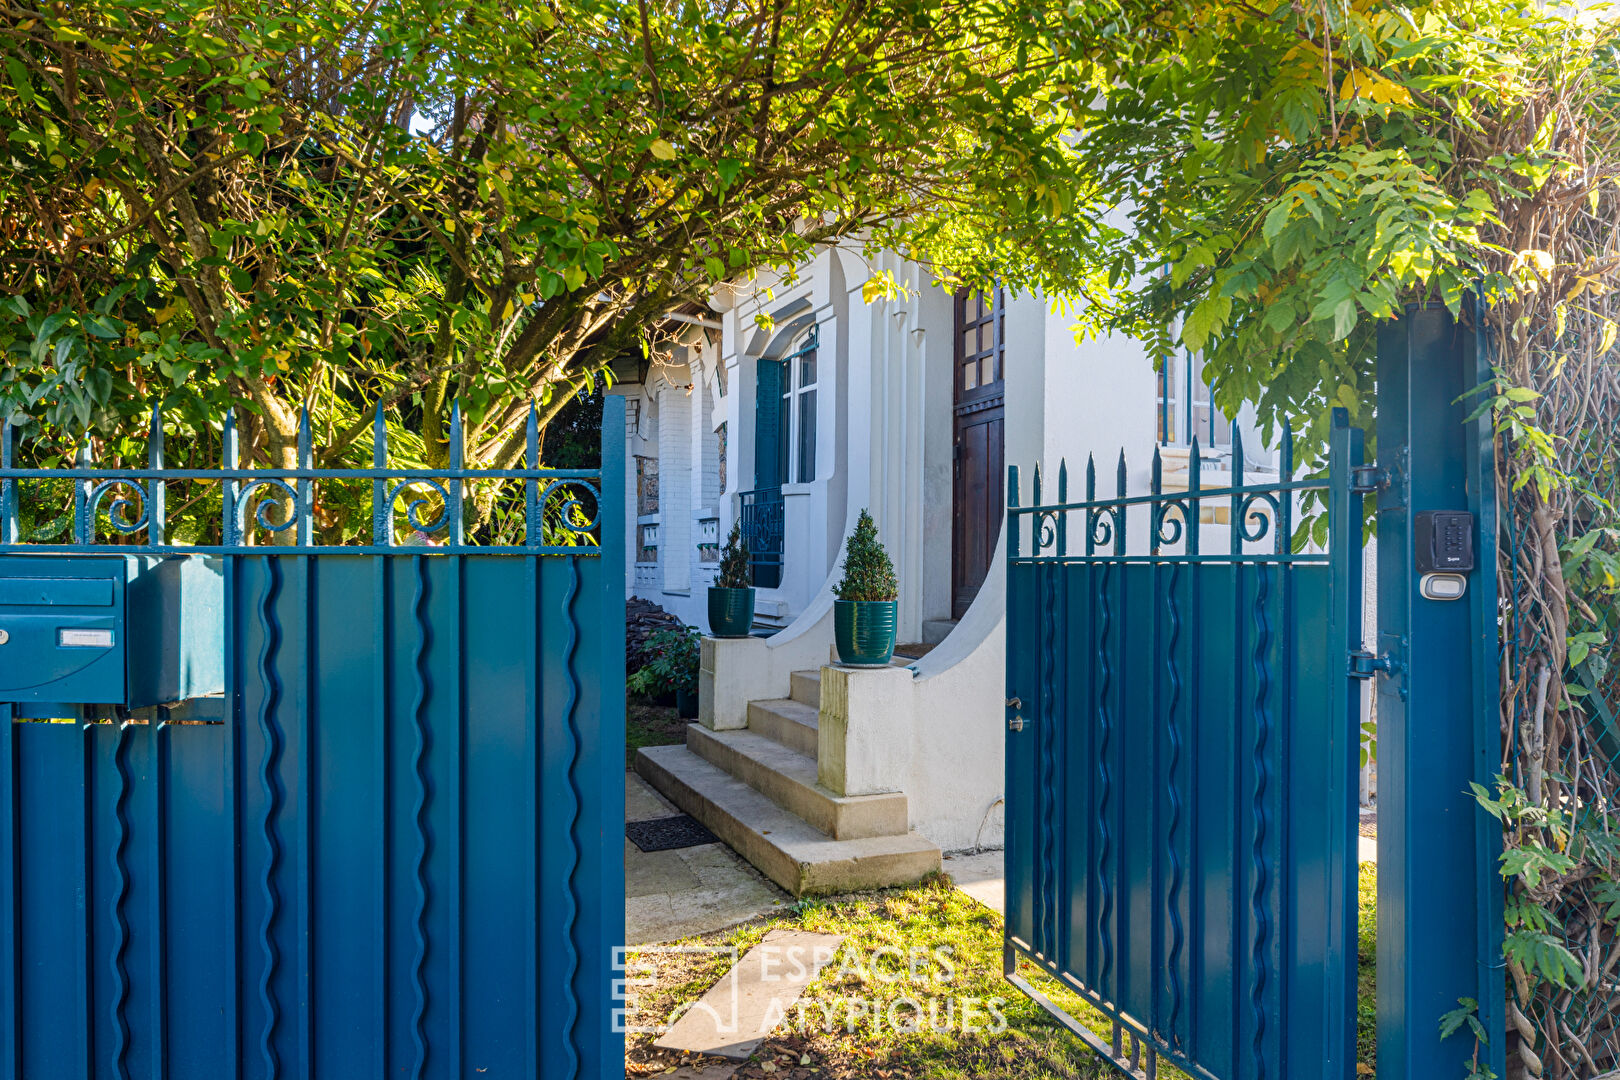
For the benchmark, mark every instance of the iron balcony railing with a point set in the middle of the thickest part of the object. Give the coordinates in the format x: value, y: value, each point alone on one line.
x: 125, y: 509
x: 763, y: 530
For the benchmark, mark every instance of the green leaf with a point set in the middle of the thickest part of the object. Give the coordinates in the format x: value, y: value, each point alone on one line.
x: 103, y: 327
x: 1204, y: 321
x: 1277, y: 219
x: 20, y: 81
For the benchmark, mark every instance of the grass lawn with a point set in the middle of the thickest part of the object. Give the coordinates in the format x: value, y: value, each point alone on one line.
x: 1366, y: 956
x: 647, y: 724
x: 890, y: 965
x: 916, y: 921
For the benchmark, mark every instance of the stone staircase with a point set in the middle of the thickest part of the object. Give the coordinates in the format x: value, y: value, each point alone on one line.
x: 756, y: 788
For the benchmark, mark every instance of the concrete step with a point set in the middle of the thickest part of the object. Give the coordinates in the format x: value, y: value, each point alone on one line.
x: 788, y: 778
x: 791, y: 723
x: 806, y: 687
x: 935, y: 631
x: 801, y: 859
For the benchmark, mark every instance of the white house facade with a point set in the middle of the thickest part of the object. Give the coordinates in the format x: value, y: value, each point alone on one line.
x: 911, y: 406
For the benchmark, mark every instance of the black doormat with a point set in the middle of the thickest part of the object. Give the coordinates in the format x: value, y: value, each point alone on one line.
x: 668, y: 833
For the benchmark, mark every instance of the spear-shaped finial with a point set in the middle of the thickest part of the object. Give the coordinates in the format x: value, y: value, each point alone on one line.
x: 532, y: 525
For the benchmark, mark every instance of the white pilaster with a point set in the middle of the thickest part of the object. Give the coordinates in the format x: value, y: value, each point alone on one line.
x: 675, y: 487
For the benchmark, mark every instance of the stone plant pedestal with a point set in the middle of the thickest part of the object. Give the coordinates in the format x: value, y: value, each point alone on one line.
x: 863, y: 747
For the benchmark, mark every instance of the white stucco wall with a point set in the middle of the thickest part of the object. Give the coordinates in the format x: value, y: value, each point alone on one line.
x: 885, y: 441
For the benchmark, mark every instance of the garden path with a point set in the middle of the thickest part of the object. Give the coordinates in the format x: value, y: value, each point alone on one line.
x: 695, y: 890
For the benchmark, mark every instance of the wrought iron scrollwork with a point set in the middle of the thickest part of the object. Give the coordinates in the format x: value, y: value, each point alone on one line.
x: 119, y: 511
x: 571, y: 509
x: 261, y: 512
x: 1170, y: 522
x: 1254, y: 525
x: 1101, y: 523
x: 414, y: 508
x: 558, y: 511
x: 1046, y: 530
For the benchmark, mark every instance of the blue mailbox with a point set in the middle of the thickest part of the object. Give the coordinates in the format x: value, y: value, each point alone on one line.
x: 132, y: 631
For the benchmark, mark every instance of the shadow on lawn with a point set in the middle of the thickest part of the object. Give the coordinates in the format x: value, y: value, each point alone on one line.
x: 647, y: 724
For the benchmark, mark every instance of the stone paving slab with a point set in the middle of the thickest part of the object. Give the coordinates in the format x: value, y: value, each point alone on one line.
x: 747, y: 1004
x: 695, y: 890
x: 642, y: 803
x: 980, y: 876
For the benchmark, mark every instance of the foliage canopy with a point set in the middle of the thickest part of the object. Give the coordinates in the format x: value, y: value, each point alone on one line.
x: 1294, y: 173
x: 346, y: 206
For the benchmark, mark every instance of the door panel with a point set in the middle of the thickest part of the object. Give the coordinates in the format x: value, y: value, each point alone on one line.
x: 978, y: 437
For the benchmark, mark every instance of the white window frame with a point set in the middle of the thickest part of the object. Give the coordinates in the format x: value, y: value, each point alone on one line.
x: 794, y: 390
x: 1188, y: 395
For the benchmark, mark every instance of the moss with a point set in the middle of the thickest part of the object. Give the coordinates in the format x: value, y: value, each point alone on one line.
x: 647, y: 724
x: 883, y: 931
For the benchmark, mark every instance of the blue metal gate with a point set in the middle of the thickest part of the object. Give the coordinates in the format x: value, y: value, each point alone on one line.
x: 391, y: 848
x: 1181, y: 762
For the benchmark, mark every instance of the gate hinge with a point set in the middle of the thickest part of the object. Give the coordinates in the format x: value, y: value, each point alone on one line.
x: 1364, y: 665
x: 1365, y: 479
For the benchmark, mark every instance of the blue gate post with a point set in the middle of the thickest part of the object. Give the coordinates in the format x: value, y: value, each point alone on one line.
x: 1439, y: 897
x: 605, y: 813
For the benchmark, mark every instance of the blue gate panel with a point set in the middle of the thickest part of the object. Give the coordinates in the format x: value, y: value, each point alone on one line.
x: 391, y: 848
x: 412, y: 805
x: 1180, y: 773
x: 1161, y: 822
x: 501, y: 845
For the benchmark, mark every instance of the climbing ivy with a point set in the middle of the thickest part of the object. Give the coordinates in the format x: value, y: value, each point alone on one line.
x: 1289, y: 174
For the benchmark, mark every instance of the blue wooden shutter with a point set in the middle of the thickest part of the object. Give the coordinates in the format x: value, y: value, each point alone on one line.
x: 770, y: 427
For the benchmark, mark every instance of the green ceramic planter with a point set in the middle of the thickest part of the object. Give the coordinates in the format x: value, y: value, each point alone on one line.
x: 865, y: 631
x: 731, y: 611
x: 686, y: 704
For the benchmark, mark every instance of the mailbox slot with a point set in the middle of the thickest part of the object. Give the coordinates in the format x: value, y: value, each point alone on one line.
x: 57, y: 592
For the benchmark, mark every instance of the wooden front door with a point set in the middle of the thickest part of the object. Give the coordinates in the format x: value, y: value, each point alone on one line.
x: 980, y: 466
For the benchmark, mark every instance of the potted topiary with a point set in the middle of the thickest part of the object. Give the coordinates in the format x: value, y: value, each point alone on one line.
x: 672, y: 669
x: 731, y: 597
x: 865, y: 615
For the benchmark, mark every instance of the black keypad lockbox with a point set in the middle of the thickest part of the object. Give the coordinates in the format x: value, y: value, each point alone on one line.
x: 1444, y: 541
